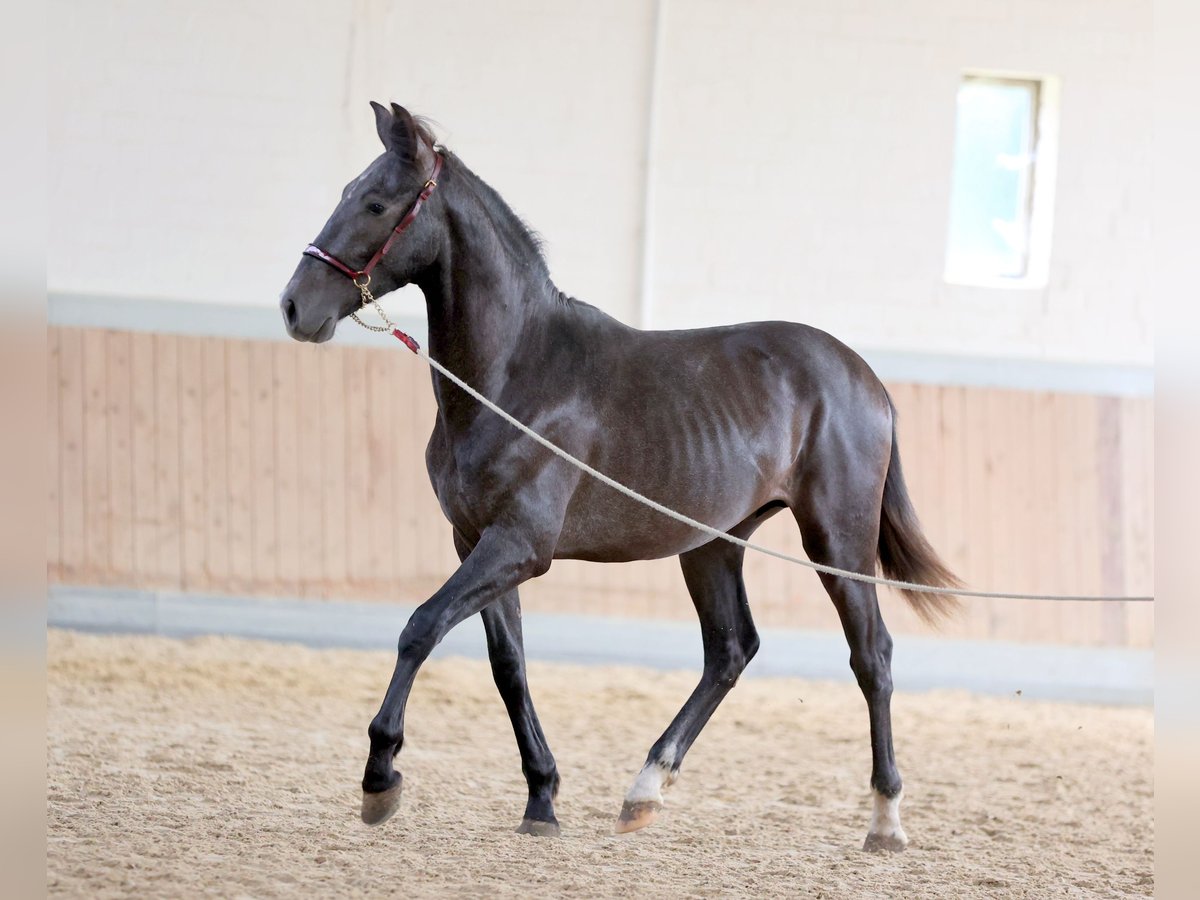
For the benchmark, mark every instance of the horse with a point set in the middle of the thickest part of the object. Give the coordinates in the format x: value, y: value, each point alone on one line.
x: 730, y: 425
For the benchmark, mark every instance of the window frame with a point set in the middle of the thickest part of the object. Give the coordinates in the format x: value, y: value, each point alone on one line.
x: 1041, y: 174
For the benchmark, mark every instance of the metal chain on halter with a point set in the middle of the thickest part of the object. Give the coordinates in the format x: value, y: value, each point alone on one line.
x: 368, y: 299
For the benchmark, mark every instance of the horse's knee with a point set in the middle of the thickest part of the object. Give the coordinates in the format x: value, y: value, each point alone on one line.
x: 419, y: 636
x: 732, y: 661
x: 750, y: 645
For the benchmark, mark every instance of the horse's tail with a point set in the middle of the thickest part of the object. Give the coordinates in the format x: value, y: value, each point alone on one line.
x: 904, y: 552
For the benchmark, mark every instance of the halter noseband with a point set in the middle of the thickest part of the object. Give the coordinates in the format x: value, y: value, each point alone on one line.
x: 354, y: 274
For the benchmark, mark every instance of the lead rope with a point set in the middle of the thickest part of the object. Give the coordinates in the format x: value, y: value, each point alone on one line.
x: 408, y: 341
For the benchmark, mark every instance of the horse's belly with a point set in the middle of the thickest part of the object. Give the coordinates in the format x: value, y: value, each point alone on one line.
x: 606, y: 526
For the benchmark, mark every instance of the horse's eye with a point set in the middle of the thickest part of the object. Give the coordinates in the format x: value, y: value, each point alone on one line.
x: 376, y: 208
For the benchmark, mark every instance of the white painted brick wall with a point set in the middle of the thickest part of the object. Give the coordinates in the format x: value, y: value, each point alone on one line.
x: 802, y: 167
x: 195, y: 149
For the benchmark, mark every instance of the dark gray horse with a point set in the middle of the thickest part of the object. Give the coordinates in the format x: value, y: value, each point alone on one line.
x: 728, y: 425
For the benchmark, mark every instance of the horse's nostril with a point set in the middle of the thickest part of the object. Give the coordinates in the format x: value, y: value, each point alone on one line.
x: 289, y: 312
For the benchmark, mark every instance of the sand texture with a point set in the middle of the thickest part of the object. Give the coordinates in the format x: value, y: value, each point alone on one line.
x: 231, y: 768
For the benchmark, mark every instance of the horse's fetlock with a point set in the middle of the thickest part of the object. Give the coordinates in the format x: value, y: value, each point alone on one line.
x: 541, y: 777
x: 384, y: 734
x: 887, y: 783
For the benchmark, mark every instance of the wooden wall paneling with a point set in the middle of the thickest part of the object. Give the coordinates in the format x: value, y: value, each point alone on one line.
x: 435, y: 535
x: 287, y: 467
x: 333, y: 476
x: 405, y: 470
x: 796, y: 596
x: 1112, y: 518
x: 216, y: 463
x: 358, y: 474
x: 72, y: 481
x: 142, y: 459
x: 941, y: 448
x: 310, y: 471
x: 1087, y: 515
x: 953, y: 478
x: 1137, y: 482
x: 378, y: 459
x: 664, y: 586
x: 168, y: 459
x: 767, y: 587
x: 53, y: 471
x: 1030, y: 497
x: 952, y: 495
x: 97, y: 514
x: 1073, y: 438
x: 120, y: 456
x: 1008, y: 498
x: 239, y: 445
x: 264, y: 477
x: 1046, y: 519
x: 976, y: 491
x: 423, y: 515
x: 193, y: 511
x: 926, y: 462
x: 182, y: 462
x: 931, y: 455
x: 997, y: 474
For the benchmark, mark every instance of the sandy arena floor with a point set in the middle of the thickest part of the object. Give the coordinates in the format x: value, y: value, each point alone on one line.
x: 231, y: 768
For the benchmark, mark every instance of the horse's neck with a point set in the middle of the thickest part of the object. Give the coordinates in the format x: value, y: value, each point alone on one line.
x: 483, y: 304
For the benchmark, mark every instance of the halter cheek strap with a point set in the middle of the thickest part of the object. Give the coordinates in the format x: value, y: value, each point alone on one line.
x: 409, y: 217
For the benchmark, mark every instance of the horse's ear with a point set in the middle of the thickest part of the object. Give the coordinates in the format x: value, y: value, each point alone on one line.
x: 396, y: 129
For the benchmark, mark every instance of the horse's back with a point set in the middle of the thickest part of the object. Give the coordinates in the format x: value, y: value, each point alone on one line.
x: 716, y: 422
x: 775, y: 361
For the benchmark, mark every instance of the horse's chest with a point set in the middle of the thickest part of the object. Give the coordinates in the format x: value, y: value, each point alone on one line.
x: 466, y: 483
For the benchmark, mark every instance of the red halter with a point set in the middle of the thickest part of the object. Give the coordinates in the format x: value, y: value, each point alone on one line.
x: 354, y: 274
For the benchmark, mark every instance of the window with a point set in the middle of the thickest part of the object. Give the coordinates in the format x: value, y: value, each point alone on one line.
x: 1002, y: 184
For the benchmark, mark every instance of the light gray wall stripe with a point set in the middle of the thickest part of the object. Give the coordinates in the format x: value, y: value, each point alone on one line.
x: 1115, y: 675
x: 263, y: 323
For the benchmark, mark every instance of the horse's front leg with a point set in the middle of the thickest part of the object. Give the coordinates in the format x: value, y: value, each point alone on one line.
x: 506, y: 651
x: 502, y: 623
x: 501, y: 560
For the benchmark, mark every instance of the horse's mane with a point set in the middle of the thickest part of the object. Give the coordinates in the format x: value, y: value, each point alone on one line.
x: 522, y: 239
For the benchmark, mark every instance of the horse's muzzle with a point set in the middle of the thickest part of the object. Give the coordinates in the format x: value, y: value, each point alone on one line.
x: 300, y: 330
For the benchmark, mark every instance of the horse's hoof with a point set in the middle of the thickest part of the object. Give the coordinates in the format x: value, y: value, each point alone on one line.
x: 378, y: 808
x: 637, y: 815
x: 538, y: 829
x: 877, y: 843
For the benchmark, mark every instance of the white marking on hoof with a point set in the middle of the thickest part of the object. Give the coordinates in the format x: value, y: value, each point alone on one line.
x: 885, y: 832
x: 644, y: 799
x: 647, y: 787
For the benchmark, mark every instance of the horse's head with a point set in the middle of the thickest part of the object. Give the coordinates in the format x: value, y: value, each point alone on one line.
x: 322, y: 291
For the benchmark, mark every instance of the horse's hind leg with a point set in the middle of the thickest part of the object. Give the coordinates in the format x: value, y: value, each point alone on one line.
x: 844, y: 533
x: 506, y: 649
x: 714, y: 578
